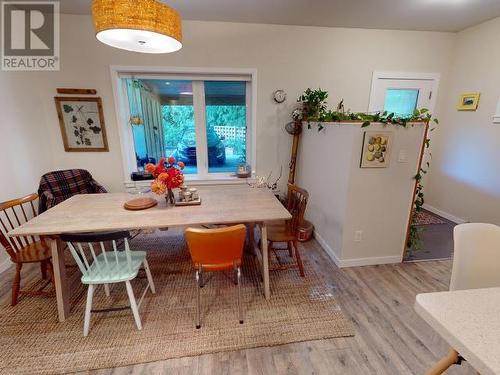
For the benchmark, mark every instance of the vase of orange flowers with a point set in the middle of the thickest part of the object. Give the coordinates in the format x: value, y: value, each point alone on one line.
x: 168, y: 176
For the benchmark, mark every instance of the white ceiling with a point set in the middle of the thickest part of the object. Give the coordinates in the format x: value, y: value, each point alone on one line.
x: 432, y: 15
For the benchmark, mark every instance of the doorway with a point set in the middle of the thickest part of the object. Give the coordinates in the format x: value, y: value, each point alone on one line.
x: 402, y: 93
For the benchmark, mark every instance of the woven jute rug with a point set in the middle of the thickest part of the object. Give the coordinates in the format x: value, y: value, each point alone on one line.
x: 300, y: 309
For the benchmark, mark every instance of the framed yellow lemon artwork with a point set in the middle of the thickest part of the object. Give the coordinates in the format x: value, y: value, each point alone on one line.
x: 468, y: 101
x: 376, y: 149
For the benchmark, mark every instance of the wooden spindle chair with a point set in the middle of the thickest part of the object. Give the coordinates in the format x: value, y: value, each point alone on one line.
x: 100, y: 266
x: 287, y: 232
x: 27, y: 249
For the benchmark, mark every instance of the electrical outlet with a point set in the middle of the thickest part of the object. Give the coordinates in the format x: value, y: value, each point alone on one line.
x: 403, y: 156
x: 358, y: 236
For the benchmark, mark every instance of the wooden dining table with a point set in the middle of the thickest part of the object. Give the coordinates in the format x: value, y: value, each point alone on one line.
x: 105, y: 212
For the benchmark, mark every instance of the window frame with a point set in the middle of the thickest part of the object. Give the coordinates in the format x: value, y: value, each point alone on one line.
x: 197, y: 75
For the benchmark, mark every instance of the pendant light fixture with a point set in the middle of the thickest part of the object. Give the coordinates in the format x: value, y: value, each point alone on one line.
x: 146, y: 26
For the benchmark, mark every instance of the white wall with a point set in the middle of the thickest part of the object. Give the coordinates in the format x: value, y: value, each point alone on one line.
x: 293, y: 58
x: 23, y: 141
x: 464, y: 180
x: 345, y: 198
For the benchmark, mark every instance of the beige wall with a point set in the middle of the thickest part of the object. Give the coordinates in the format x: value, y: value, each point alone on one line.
x: 345, y: 198
x: 465, y: 180
x: 293, y: 58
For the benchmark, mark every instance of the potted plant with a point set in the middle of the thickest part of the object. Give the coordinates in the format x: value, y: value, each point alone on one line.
x: 313, y: 104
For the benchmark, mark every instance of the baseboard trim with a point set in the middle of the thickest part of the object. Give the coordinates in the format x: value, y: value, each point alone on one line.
x: 373, y: 261
x: 327, y: 248
x: 5, y: 265
x: 444, y: 214
x: 355, y: 262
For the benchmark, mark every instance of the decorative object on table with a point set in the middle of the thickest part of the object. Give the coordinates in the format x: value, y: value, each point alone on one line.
x: 146, y: 26
x: 244, y: 170
x: 279, y: 96
x: 263, y: 182
x: 82, y: 124
x: 57, y: 186
x: 138, y: 204
x: 376, y: 149
x: 188, y: 197
x: 468, y: 101
x: 168, y: 176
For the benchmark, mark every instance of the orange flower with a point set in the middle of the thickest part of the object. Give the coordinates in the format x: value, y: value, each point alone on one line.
x: 158, y: 187
x: 171, y: 160
x: 181, y: 165
x: 163, y: 177
x: 150, y: 168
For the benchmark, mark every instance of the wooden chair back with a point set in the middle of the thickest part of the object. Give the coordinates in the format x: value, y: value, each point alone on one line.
x: 14, y: 213
x: 216, y: 249
x: 296, y: 205
x: 94, y: 244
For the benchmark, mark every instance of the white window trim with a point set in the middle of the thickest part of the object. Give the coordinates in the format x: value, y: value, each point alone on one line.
x: 125, y: 130
x: 418, y: 76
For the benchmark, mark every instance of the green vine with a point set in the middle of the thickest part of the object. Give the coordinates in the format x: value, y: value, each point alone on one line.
x: 314, y: 109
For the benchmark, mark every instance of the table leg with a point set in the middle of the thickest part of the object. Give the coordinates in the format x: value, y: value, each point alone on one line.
x: 251, y: 237
x: 60, y: 280
x: 265, y: 260
x: 444, y: 363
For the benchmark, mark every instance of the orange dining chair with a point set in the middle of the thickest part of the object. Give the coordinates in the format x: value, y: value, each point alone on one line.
x: 286, y: 232
x: 26, y: 249
x: 219, y: 249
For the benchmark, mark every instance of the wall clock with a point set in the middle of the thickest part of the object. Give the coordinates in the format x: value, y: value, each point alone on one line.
x: 279, y: 96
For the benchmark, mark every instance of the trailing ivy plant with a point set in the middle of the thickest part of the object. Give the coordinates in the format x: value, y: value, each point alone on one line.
x: 314, y: 109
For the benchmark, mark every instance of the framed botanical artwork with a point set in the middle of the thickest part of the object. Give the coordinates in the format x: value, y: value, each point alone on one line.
x: 468, y: 101
x: 376, y: 149
x: 82, y: 124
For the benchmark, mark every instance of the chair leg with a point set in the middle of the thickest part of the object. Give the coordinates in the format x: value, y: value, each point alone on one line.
x: 88, y: 308
x: 290, y: 249
x: 16, y: 285
x: 198, y: 299
x: 133, y: 305
x: 106, y: 290
x: 43, y: 269
x: 240, y: 313
x: 299, y: 259
x: 148, y: 275
x: 50, y: 271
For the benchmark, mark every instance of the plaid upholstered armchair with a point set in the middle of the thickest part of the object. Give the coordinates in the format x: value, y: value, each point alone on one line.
x: 57, y: 186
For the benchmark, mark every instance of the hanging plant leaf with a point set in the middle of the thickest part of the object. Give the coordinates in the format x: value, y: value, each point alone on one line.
x: 67, y: 108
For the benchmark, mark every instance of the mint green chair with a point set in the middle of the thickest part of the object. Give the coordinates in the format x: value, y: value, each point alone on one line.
x: 108, y: 267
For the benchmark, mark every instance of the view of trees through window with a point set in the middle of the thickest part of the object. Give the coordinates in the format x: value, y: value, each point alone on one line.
x: 225, y: 123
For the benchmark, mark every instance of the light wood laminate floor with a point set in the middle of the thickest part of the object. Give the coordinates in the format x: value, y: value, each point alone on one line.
x: 390, y: 338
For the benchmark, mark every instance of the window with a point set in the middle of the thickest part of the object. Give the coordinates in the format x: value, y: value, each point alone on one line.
x: 402, y: 102
x: 202, y: 120
x: 402, y: 93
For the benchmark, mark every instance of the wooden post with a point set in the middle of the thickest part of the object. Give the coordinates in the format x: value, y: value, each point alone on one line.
x: 421, y: 158
x: 293, y: 159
